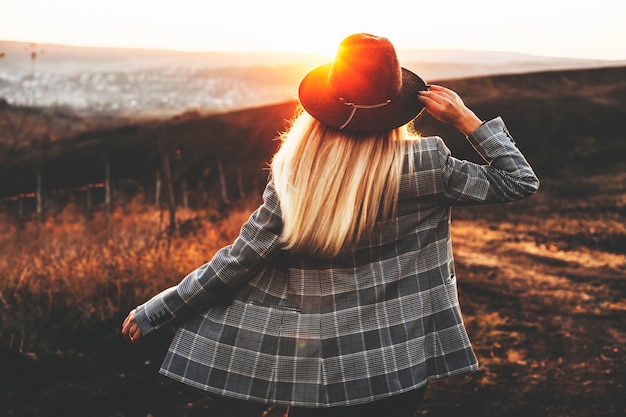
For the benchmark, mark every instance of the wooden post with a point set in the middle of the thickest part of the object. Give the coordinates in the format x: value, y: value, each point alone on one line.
x: 39, y: 195
x: 157, y: 191
x: 223, y: 182
x: 107, y: 189
x: 242, y: 193
x: 165, y: 163
x: 19, y: 217
x: 88, y: 202
x: 183, y: 186
x: 20, y: 212
x: 179, y: 177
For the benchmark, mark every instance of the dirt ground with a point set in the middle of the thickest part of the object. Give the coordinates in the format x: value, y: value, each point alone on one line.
x: 542, y: 285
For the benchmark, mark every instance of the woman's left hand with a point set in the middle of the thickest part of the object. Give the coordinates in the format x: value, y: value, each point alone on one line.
x: 446, y: 106
x: 130, y: 328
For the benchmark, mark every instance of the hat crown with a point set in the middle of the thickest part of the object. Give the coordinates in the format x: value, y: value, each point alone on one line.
x: 364, y: 89
x: 365, y: 71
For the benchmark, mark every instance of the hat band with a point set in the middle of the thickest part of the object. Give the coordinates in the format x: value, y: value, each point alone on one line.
x: 359, y: 106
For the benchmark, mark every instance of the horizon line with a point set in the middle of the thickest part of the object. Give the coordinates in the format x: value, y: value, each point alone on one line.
x: 299, y: 52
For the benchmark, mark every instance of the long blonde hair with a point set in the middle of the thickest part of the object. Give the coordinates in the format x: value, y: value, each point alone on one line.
x: 331, y: 185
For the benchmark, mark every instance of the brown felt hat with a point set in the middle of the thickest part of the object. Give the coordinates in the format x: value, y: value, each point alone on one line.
x: 364, y: 88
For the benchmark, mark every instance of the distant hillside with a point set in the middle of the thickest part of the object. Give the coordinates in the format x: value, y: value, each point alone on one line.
x: 566, y: 122
x: 241, y: 139
x: 135, y: 82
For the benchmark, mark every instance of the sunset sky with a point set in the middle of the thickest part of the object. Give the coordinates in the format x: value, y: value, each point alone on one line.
x: 579, y: 29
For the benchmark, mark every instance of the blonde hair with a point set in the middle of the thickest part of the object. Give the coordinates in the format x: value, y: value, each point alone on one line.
x: 331, y: 185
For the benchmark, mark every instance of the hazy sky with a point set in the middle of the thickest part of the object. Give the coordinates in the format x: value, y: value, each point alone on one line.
x: 574, y: 28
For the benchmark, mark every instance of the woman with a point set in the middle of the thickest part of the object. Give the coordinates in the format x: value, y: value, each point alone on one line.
x: 339, y: 295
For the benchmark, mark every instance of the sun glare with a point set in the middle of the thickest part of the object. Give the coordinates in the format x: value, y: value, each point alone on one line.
x: 316, y: 27
x: 323, y: 48
x: 272, y: 26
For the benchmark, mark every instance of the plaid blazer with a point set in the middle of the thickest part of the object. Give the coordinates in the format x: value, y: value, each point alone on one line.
x: 262, y: 324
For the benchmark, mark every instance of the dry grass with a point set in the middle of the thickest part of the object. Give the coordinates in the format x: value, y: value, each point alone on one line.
x: 77, y: 271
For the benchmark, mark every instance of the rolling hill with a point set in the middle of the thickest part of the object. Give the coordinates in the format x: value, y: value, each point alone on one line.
x: 568, y: 123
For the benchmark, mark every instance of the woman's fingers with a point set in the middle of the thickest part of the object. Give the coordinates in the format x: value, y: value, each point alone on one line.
x: 126, y: 320
x: 131, y: 333
x: 438, y: 94
x: 130, y: 329
x: 447, y: 106
x: 438, y: 91
x: 134, y: 334
x: 437, y: 102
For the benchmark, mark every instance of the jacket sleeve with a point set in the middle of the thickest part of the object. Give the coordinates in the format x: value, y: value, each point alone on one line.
x: 506, y: 177
x: 230, y: 268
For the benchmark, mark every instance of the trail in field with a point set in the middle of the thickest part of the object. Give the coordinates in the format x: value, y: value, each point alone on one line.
x: 546, y: 322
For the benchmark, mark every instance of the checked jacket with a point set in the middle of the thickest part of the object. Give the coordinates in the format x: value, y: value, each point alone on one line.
x: 263, y: 324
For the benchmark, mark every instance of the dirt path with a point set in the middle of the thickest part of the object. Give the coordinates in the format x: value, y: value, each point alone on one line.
x: 546, y: 316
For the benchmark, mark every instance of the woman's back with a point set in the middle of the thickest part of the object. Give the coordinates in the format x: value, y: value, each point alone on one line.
x: 379, y: 318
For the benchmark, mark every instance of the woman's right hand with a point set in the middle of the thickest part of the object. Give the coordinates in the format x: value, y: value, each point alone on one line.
x: 446, y: 106
x: 130, y: 328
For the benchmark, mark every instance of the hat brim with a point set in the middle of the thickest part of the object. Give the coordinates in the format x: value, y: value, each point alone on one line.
x: 316, y: 99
